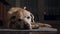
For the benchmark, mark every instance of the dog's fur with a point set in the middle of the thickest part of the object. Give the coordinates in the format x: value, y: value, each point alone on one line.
x: 19, y: 18
x: 17, y: 14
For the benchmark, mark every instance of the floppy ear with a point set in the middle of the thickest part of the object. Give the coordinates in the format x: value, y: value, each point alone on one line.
x: 13, y: 10
x: 32, y: 17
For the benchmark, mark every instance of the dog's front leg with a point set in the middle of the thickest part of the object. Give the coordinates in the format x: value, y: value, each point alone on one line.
x: 30, y: 26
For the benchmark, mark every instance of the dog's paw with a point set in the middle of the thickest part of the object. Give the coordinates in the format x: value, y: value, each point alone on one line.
x: 41, y: 25
x: 35, y: 26
x: 47, y: 25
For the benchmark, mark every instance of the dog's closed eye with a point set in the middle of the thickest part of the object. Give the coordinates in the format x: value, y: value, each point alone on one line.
x: 28, y: 17
x: 13, y: 17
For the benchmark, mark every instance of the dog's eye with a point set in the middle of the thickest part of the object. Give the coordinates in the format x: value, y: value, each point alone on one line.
x: 28, y: 17
x: 13, y: 17
x: 19, y: 20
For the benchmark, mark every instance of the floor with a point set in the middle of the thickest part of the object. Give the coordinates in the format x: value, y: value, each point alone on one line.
x: 30, y: 32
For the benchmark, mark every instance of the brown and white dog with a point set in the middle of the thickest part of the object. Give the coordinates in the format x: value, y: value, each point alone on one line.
x: 19, y: 16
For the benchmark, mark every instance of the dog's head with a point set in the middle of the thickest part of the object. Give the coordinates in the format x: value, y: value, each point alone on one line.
x: 22, y: 14
x: 18, y: 15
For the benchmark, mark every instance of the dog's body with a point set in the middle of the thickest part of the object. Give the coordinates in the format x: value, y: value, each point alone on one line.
x: 19, y: 16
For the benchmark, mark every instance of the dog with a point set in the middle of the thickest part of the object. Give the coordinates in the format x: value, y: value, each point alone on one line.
x: 19, y: 18
x: 20, y: 14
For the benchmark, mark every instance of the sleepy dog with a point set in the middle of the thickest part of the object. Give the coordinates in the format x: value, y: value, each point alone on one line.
x: 21, y: 15
x: 18, y: 17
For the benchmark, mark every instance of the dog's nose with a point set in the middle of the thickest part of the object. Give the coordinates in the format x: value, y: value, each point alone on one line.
x: 19, y: 19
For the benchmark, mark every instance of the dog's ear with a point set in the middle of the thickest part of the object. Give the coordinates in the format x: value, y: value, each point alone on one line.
x: 24, y: 7
x: 13, y: 10
x: 32, y: 17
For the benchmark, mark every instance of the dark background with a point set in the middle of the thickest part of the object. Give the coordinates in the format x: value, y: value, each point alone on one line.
x: 45, y: 11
